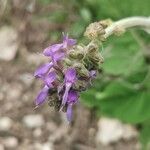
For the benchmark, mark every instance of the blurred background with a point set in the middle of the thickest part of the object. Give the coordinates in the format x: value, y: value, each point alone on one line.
x: 113, y: 115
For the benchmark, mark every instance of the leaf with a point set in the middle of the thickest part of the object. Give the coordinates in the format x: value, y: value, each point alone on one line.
x: 86, y: 15
x: 145, y: 137
x: 125, y: 103
x: 77, y: 29
x: 118, y: 88
x: 124, y: 58
x: 45, y: 2
x: 88, y: 98
x: 138, y: 77
x: 126, y: 8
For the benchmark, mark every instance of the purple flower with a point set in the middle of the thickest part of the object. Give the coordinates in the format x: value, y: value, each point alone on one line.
x: 49, y: 51
x: 40, y: 99
x: 70, y: 78
x: 42, y: 70
x: 50, y: 78
x: 69, y: 113
x: 93, y: 74
x: 57, y: 57
x: 68, y: 42
x: 56, y: 48
x: 72, y: 99
x: 63, y: 87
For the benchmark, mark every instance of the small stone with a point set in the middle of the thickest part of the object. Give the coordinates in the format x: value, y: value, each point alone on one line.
x: 129, y: 132
x: 112, y: 130
x: 1, y: 147
x: 33, y: 57
x: 14, y: 92
x: 27, y: 79
x: 9, y: 43
x: 37, y: 132
x: 37, y: 146
x: 43, y: 146
x: 51, y: 126
x: 10, y: 142
x: 33, y: 121
x: 47, y: 146
x: 5, y: 123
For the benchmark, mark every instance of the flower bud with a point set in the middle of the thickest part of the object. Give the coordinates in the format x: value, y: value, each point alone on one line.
x: 94, y: 30
x: 92, y: 48
x: 52, y: 100
x: 81, y: 85
x: 57, y: 105
x: 67, y: 62
x: 93, y: 53
x: 76, y: 53
x: 51, y: 103
x: 82, y: 71
x: 105, y: 23
x: 72, y: 54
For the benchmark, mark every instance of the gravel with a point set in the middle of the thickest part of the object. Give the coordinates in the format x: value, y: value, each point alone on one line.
x: 33, y: 121
x: 5, y: 123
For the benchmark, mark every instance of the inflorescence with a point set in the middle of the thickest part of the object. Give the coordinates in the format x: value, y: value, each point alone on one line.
x: 70, y: 70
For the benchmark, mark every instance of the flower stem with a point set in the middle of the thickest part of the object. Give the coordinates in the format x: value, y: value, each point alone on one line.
x: 143, y: 22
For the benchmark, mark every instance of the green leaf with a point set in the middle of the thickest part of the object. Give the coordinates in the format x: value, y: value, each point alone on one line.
x: 145, y: 137
x: 77, y: 29
x: 45, y: 2
x: 124, y: 58
x: 88, y: 98
x: 118, y: 88
x: 86, y: 14
x: 123, y: 102
x: 138, y: 77
x: 107, y: 8
x: 146, y: 80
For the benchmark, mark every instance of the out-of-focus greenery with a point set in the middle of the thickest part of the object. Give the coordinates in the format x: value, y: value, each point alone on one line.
x: 122, y: 90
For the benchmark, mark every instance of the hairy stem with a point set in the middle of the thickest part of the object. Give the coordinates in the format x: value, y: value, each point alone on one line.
x: 143, y: 22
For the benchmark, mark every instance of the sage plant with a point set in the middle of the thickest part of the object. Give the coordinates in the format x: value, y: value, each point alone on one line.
x: 70, y: 70
x: 72, y: 67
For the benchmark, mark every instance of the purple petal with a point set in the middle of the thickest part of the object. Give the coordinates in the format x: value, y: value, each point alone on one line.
x: 50, y: 78
x: 65, y: 96
x: 68, y: 42
x: 70, y: 75
x: 42, y: 70
x: 71, y: 42
x: 42, y: 96
x: 65, y: 37
x: 58, y: 56
x: 93, y: 73
x: 69, y: 113
x: 52, y: 49
x: 72, y: 97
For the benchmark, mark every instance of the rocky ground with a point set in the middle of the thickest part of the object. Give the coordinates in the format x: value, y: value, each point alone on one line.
x: 22, y: 127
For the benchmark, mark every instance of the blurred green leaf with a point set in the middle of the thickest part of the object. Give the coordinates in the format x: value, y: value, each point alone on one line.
x: 109, y: 9
x: 89, y: 98
x: 45, y: 2
x: 124, y: 102
x: 58, y: 16
x: 138, y: 76
x: 145, y: 137
x: 118, y: 88
x: 86, y: 15
x: 77, y: 29
x: 124, y: 58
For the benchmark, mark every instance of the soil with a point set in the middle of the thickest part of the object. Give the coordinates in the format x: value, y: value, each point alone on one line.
x: 18, y: 90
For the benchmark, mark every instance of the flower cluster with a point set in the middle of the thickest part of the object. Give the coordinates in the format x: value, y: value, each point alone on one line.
x: 70, y: 70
